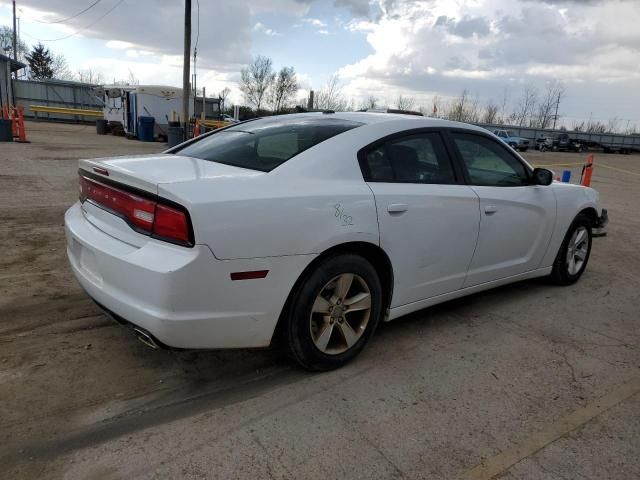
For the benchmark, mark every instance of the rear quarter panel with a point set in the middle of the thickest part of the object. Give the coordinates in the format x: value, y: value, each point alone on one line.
x: 314, y: 201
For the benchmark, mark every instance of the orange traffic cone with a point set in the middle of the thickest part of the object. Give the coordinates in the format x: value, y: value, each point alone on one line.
x: 14, y: 122
x: 587, y: 171
x: 22, y: 133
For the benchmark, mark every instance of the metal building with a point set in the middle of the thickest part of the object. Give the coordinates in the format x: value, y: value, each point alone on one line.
x: 7, y: 67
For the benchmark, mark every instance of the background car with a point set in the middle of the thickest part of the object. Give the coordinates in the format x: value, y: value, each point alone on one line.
x: 228, y: 118
x: 310, y: 229
x: 543, y: 143
x: 563, y: 142
x: 511, y: 139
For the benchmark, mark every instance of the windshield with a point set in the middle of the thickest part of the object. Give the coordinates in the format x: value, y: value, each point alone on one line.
x: 266, y: 143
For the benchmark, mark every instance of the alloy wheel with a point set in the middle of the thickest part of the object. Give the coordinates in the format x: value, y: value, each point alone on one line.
x: 577, y: 250
x: 340, y: 314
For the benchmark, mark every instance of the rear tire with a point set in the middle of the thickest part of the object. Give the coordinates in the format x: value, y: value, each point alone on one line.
x: 334, y: 313
x: 573, y: 256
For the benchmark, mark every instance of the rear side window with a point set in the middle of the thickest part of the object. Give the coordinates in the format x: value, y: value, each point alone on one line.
x: 266, y: 143
x: 418, y: 158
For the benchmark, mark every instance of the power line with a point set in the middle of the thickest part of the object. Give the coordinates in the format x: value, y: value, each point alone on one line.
x: 80, y: 30
x: 72, y: 16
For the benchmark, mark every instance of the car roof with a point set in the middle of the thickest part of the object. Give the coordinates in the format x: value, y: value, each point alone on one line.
x: 370, y: 118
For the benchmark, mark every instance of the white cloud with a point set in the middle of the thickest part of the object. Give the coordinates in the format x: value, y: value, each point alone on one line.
x: 315, y: 22
x: 444, y: 46
x: 118, y: 44
x: 323, y: 32
x: 260, y: 27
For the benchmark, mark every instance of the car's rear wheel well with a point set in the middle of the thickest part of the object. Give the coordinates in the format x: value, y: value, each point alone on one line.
x: 369, y: 251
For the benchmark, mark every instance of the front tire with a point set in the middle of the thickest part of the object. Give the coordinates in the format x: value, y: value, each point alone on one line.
x: 572, y: 258
x: 334, y: 313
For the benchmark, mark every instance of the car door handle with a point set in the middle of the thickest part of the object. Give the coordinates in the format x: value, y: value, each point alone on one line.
x: 490, y: 209
x: 397, y: 207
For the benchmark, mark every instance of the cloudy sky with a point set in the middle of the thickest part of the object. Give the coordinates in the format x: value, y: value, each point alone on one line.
x: 383, y: 48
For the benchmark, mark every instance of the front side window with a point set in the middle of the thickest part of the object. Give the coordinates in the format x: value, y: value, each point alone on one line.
x: 266, y: 143
x: 418, y: 158
x: 489, y: 162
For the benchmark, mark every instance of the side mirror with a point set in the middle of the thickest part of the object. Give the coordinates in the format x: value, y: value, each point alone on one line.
x: 542, y: 176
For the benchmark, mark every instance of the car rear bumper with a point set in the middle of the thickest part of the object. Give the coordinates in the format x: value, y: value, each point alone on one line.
x: 183, y: 297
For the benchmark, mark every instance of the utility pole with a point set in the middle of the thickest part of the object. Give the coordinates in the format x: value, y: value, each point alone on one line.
x: 186, y: 66
x: 15, y: 33
x: 555, y: 117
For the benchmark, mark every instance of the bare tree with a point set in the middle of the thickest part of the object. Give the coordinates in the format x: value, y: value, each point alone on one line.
x: 595, y: 127
x: 6, y: 40
x: 370, y: 103
x: 405, y: 103
x: 490, y: 115
x: 612, y: 125
x: 524, y: 108
x: 330, y: 96
x: 284, y: 88
x: 472, y: 115
x: 132, y: 79
x: 224, y: 93
x: 256, y: 80
x: 503, y: 107
x: 549, y: 103
x: 458, y: 110
x: 60, y: 67
x: 90, y: 76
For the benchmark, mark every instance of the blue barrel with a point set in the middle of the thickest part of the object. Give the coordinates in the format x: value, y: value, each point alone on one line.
x: 566, y: 176
x: 146, y: 126
x: 5, y: 131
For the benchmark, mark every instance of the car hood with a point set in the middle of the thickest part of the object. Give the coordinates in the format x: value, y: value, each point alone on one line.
x: 146, y: 172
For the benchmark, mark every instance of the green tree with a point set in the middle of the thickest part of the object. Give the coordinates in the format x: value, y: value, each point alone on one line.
x: 40, y: 63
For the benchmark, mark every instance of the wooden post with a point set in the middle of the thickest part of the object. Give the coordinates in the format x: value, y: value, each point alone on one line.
x: 204, y: 104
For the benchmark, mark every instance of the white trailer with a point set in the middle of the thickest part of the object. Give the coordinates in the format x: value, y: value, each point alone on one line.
x: 124, y: 104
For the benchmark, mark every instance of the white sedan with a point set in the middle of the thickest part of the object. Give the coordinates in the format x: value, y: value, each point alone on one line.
x: 312, y: 228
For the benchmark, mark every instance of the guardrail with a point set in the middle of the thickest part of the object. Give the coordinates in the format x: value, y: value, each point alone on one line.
x: 214, y: 123
x: 78, y: 112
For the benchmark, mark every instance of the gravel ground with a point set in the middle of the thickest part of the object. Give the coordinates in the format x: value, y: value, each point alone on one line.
x: 525, y: 381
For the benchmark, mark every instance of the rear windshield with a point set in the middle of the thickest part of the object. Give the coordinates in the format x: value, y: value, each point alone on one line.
x: 266, y: 143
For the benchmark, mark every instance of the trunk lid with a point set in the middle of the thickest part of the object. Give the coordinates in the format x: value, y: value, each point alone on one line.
x: 146, y: 172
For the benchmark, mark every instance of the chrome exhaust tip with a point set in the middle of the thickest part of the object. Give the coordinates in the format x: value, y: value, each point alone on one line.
x: 145, y: 338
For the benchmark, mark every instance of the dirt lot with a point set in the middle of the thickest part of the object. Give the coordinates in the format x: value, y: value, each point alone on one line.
x: 526, y: 381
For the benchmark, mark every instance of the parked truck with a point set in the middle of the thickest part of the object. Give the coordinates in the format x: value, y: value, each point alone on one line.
x: 562, y: 142
x: 511, y: 139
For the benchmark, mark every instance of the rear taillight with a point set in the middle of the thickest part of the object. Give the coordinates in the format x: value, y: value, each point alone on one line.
x: 171, y: 223
x: 150, y: 217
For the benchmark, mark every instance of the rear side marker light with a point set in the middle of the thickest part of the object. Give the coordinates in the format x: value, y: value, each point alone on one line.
x: 249, y: 275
